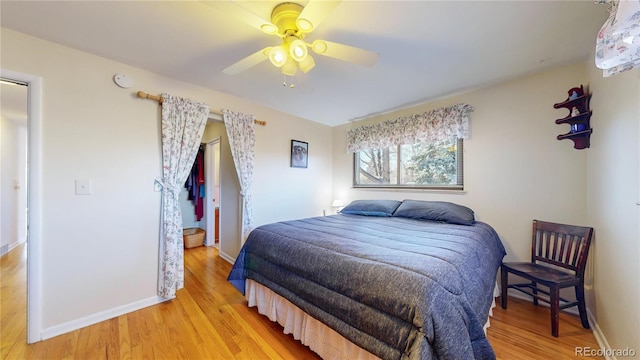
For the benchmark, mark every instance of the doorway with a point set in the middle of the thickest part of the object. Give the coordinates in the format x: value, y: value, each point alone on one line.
x: 13, y: 157
x: 33, y: 202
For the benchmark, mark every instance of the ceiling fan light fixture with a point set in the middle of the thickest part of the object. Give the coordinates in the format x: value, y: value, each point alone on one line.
x: 307, y: 64
x: 291, y: 22
x: 298, y: 50
x: 278, y: 56
x: 304, y: 25
x: 269, y: 29
x: 319, y: 46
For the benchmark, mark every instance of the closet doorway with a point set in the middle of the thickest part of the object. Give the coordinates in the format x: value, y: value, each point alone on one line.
x: 226, y: 188
x: 27, y: 210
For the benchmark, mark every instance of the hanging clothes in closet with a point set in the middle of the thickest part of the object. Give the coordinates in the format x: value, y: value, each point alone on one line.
x: 195, y: 184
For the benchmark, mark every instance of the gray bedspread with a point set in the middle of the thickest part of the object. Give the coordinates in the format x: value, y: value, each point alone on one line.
x: 399, y: 288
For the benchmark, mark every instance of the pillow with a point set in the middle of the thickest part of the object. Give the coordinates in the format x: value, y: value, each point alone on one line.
x: 371, y: 207
x: 436, y: 211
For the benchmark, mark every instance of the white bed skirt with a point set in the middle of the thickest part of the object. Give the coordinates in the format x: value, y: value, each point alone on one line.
x: 320, y: 338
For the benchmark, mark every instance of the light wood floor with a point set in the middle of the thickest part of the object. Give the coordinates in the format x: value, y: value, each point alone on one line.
x: 209, y: 319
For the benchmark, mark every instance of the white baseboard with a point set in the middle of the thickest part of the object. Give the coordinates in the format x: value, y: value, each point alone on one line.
x: 99, y: 317
x: 597, y: 333
x: 108, y: 314
x: 226, y: 257
x: 5, y: 249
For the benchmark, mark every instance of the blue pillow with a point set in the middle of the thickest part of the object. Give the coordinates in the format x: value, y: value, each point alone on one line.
x: 436, y: 211
x: 371, y: 207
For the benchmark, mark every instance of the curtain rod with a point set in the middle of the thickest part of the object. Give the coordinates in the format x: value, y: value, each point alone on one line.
x: 144, y: 95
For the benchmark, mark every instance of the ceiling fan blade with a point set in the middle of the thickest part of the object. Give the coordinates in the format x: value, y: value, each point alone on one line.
x: 314, y: 13
x: 240, y: 13
x: 345, y: 52
x: 248, y: 62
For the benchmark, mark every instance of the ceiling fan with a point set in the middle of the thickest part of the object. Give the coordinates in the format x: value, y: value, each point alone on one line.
x: 292, y: 22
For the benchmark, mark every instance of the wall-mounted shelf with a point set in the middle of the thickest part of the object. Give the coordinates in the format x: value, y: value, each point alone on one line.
x: 579, y: 115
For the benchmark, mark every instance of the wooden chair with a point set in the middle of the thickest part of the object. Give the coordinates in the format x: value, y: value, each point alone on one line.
x: 558, y: 259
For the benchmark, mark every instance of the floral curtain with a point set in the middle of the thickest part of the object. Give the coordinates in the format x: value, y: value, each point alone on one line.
x: 242, y: 139
x: 183, y: 123
x: 618, y: 41
x: 432, y: 126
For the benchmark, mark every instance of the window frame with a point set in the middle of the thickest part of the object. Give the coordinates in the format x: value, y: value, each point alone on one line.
x: 459, y: 173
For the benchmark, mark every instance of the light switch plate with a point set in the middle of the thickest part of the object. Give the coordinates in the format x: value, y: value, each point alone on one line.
x: 83, y: 187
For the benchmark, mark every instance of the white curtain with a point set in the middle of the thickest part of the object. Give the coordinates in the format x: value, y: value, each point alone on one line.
x: 183, y: 123
x: 242, y: 139
x: 618, y: 41
x: 433, y: 126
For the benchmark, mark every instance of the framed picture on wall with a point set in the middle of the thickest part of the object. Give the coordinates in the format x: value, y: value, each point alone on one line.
x: 299, y: 154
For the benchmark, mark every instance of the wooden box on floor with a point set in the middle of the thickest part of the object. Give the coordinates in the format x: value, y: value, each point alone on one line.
x: 193, y: 237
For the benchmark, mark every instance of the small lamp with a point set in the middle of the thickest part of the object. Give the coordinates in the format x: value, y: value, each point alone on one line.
x: 338, y: 204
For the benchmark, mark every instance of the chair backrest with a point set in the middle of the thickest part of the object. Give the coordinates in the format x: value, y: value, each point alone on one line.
x: 562, y: 245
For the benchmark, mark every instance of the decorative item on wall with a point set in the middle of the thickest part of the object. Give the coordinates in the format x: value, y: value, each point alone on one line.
x: 579, y: 114
x: 299, y: 154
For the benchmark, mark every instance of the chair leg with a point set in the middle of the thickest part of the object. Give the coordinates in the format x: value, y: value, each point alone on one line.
x: 534, y: 289
x: 504, y: 275
x: 582, y: 309
x: 554, y: 297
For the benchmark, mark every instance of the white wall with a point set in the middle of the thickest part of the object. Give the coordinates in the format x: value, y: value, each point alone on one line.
x: 514, y: 168
x: 613, y: 188
x: 292, y: 193
x: 99, y: 252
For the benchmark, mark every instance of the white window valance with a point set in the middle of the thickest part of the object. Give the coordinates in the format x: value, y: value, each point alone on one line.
x: 433, y: 126
x: 618, y: 41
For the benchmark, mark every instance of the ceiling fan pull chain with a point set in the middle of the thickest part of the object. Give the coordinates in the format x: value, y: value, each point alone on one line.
x: 284, y: 81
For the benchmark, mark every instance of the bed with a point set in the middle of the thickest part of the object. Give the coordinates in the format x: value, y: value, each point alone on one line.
x: 386, y: 279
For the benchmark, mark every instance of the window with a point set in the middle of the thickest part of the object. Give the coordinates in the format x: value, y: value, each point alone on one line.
x: 420, y: 165
x: 416, y: 151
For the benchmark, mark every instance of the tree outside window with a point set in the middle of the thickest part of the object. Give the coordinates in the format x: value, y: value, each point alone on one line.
x: 420, y: 165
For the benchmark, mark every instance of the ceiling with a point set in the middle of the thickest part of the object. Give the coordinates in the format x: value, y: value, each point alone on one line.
x: 427, y: 49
